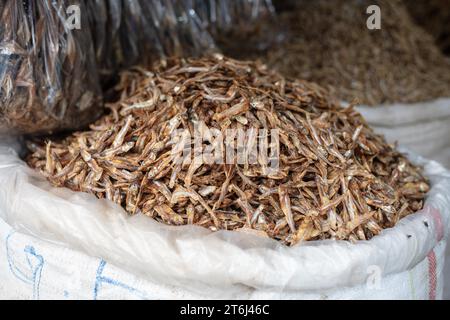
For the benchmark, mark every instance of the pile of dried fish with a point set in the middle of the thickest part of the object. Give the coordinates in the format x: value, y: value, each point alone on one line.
x: 330, y: 44
x: 48, y: 75
x: 433, y: 16
x: 336, y: 178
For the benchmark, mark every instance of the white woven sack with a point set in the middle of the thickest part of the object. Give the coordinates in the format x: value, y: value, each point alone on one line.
x: 422, y: 127
x: 56, y: 243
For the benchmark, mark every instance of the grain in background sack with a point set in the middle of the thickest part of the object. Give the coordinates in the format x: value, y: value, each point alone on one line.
x: 126, y: 33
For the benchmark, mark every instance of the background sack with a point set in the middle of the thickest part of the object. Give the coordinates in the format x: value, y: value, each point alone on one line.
x: 422, y: 127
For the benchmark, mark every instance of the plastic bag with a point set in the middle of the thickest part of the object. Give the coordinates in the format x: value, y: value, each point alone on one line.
x: 401, y: 122
x: 126, y: 33
x: 48, y: 75
x: 434, y: 17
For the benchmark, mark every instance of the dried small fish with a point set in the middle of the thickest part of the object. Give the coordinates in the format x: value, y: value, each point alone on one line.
x: 339, y: 179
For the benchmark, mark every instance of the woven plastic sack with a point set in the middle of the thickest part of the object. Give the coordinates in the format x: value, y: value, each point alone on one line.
x: 423, y: 127
x: 48, y: 75
x: 56, y: 243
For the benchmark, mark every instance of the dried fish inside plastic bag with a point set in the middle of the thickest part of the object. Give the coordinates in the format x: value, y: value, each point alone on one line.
x: 126, y: 33
x: 48, y: 75
x: 398, y: 63
x: 434, y: 17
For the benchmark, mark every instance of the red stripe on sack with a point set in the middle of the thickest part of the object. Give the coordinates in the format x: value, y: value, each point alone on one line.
x: 436, y: 215
x: 432, y: 281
